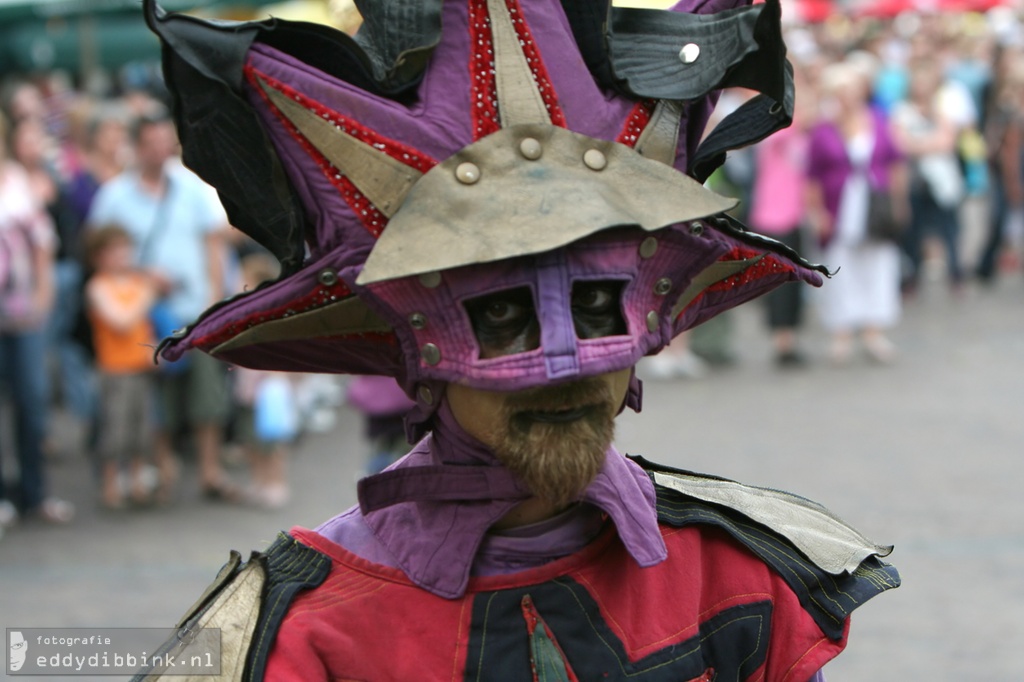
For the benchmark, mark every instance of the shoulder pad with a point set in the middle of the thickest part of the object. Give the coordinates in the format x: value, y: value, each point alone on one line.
x: 830, y: 567
x: 231, y: 604
x: 247, y: 603
x: 829, y: 542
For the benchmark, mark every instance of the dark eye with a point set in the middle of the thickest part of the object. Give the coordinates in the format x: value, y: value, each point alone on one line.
x: 503, y: 312
x: 504, y: 322
x: 595, y: 309
x: 594, y: 298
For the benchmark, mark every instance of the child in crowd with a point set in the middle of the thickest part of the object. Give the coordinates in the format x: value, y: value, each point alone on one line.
x: 267, y: 417
x: 383, y: 405
x: 118, y: 299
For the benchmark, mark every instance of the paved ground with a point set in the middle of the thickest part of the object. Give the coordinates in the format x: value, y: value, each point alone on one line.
x: 927, y: 454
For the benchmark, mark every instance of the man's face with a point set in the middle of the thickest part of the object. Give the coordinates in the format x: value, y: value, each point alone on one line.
x: 19, y: 649
x: 156, y: 144
x: 553, y: 438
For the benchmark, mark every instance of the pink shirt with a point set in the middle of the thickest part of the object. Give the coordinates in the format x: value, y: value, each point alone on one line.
x: 777, y: 200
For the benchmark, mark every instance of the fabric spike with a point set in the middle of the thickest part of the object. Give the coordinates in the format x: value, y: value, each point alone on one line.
x: 519, y: 100
x: 546, y: 658
x: 381, y: 179
x: 660, y: 137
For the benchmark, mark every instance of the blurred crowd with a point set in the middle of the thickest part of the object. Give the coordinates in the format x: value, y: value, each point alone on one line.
x: 904, y: 163
x: 907, y: 134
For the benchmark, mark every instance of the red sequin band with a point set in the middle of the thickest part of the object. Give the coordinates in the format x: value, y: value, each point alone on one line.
x: 373, y: 220
x: 483, y: 91
x: 638, y: 119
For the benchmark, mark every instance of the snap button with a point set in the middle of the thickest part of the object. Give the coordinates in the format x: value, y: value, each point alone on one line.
x: 417, y: 320
x: 689, y: 53
x: 594, y: 159
x: 648, y: 247
x: 328, y: 277
x: 653, y: 321
x: 467, y: 173
x: 531, y: 148
x: 430, y: 280
x: 663, y: 286
x: 431, y: 354
x: 696, y: 228
x: 425, y: 395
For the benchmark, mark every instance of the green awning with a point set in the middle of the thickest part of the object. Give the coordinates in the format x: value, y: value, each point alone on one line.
x: 82, y: 34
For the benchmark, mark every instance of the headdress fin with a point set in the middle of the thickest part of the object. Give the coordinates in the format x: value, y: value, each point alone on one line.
x: 519, y: 100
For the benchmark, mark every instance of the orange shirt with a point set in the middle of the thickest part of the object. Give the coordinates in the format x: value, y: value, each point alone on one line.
x: 121, y: 351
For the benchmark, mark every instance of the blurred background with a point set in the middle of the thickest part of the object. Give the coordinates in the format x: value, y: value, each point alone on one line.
x: 893, y: 394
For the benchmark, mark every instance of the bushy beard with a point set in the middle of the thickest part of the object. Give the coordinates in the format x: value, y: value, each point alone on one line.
x: 557, y: 461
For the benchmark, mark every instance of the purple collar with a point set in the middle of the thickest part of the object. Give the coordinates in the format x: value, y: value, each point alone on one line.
x: 433, y: 508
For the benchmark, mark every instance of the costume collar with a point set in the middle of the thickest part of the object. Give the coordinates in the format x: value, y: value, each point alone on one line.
x: 432, y: 509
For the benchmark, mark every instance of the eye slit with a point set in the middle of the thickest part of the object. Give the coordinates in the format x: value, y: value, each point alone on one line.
x: 504, y: 322
x: 596, y: 310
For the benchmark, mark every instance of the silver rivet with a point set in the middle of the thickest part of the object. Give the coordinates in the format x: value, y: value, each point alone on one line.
x: 430, y: 280
x: 696, y: 228
x: 530, y: 148
x: 648, y: 247
x: 467, y: 173
x: 689, y: 53
x: 418, y: 321
x: 653, y: 321
x: 425, y: 395
x: 663, y: 286
x: 594, y: 159
x: 431, y: 354
x: 328, y: 277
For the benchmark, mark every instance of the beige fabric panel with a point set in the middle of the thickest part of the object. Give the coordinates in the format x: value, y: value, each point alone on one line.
x: 518, y: 206
x: 660, y: 138
x: 822, y: 536
x: 381, y: 179
x: 519, y: 101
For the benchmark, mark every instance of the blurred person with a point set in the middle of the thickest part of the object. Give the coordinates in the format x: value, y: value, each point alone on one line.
x: 926, y: 128
x: 676, y: 361
x: 27, y: 246
x: 267, y: 423
x: 119, y: 297
x: 177, y: 228
x: 1005, y: 142
x: 383, y: 405
x: 105, y: 154
x: 267, y: 420
x: 23, y: 99
x: 777, y: 210
x: 71, y: 365
x: 851, y: 151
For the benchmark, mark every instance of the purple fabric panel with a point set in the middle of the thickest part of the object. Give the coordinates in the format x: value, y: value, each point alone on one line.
x: 280, y: 294
x: 558, y: 335
x: 588, y: 109
x: 534, y: 545
x: 436, y: 542
x: 417, y: 128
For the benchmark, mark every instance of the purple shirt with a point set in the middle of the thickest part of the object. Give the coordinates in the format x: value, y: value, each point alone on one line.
x: 829, y: 165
